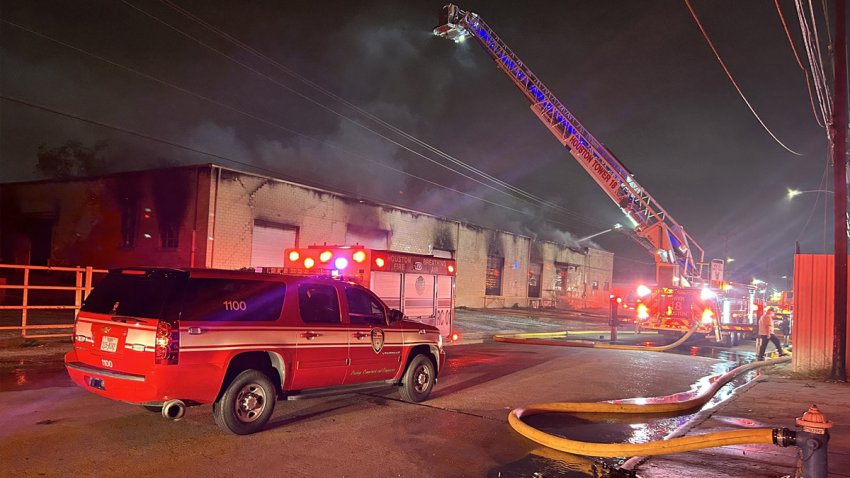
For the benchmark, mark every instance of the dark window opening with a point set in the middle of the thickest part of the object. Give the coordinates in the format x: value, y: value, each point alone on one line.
x: 493, y: 280
x: 129, y: 220
x: 534, y: 272
x: 168, y: 236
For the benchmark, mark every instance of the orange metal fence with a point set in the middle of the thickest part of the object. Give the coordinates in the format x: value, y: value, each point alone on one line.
x: 39, y: 294
x: 813, y: 312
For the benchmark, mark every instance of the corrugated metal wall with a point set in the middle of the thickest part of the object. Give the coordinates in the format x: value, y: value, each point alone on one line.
x: 813, y: 313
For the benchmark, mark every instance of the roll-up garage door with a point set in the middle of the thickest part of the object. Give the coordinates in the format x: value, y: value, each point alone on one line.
x: 268, y: 243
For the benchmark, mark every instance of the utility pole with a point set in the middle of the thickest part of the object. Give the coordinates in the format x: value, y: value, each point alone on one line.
x: 839, y: 162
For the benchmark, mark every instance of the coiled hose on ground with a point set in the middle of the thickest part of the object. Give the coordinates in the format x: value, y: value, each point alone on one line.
x: 662, y: 447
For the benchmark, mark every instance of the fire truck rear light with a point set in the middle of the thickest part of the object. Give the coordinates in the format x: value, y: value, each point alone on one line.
x: 309, y: 263
x: 707, y: 293
x: 325, y: 256
x: 643, y: 291
x: 451, y: 269
x: 642, y: 312
x: 455, y: 337
x: 359, y: 256
x: 294, y: 256
x: 379, y: 262
x: 341, y: 263
x: 707, y: 316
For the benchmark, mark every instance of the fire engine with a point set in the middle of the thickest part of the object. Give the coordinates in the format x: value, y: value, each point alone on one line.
x: 680, y: 261
x: 726, y: 314
x: 421, y: 286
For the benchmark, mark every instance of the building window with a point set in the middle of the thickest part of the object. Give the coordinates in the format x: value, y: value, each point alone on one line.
x: 606, y: 286
x: 534, y: 272
x: 129, y: 220
x: 595, y: 285
x: 168, y: 236
x: 493, y: 281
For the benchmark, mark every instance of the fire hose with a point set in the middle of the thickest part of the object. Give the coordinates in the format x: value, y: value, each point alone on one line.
x: 662, y: 447
x: 548, y: 338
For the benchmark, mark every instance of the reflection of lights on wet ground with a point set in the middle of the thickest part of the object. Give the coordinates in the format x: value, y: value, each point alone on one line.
x: 694, y: 351
x: 640, y: 433
x: 20, y: 377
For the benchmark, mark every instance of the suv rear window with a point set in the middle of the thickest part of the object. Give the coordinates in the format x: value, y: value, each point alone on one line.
x: 233, y: 300
x: 136, y: 293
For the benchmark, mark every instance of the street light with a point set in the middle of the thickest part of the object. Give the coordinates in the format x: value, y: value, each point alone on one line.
x: 729, y: 260
x: 796, y: 192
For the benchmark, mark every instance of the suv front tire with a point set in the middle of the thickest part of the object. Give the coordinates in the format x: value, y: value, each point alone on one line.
x: 418, y: 380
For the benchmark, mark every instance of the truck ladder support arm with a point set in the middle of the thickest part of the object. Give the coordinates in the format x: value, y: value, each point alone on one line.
x: 656, y: 230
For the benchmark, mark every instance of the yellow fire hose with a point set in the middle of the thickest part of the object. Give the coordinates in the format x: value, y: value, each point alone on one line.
x: 662, y: 447
x: 547, y: 338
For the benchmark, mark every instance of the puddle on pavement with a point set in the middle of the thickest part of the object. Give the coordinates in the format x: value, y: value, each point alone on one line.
x: 622, y: 428
x: 31, y: 376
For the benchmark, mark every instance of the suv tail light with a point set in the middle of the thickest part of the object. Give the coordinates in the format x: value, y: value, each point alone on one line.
x: 167, y: 343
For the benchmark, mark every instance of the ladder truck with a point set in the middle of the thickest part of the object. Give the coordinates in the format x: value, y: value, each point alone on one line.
x: 678, y: 257
x: 683, y: 298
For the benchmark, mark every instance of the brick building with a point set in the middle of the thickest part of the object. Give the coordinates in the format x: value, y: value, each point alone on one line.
x: 210, y: 216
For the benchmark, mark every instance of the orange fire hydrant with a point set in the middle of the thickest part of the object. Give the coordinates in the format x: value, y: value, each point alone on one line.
x: 812, y: 441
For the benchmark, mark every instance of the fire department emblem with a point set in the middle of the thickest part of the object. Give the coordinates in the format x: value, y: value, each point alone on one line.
x: 377, y: 340
x: 420, y: 285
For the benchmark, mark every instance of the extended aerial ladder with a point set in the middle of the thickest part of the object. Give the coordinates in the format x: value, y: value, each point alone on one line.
x: 678, y: 257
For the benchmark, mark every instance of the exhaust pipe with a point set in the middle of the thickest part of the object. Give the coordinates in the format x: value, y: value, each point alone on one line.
x: 173, y: 409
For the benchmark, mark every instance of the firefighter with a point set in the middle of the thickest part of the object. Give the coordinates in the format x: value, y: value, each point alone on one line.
x: 766, y: 333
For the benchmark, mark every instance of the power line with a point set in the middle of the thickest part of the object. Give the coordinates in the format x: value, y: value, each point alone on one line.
x: 283, y: 68
x: 276, y: 125
x: 235, y: 161
x: 800, y: 63
x: 734, y: 83
x: 313, y: 101
x: 816, y: 67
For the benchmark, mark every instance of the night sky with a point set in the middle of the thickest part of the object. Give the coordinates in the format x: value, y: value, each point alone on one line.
x: 638, y: 74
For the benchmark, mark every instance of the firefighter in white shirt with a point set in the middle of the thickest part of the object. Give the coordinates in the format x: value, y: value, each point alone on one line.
x: 766, y: 333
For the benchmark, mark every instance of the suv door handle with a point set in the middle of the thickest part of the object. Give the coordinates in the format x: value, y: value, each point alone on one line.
x: 310, y: 335
x: 361, y: 335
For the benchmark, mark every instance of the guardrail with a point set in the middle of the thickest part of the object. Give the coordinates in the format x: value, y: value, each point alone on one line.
x: 83, y: 282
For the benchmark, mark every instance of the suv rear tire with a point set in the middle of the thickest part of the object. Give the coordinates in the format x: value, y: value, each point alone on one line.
x: 418, y: 380
x: 247, y: 404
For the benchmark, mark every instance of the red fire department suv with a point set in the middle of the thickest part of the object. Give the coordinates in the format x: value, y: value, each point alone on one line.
x: 168, y: 338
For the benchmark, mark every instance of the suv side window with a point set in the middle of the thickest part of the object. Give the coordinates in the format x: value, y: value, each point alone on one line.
x: 233, y: 300
x: 319, y: 304
x: 363, y: 308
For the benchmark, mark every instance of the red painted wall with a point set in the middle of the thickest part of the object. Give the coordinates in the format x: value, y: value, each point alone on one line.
x: 813, y: 313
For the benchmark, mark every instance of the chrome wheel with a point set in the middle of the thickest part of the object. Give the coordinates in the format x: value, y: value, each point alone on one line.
x: 247, y: 403
x: 250, y: 403
x: 421, y: 378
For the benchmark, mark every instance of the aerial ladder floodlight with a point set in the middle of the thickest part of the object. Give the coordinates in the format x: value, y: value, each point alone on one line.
x: 678, y: 257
